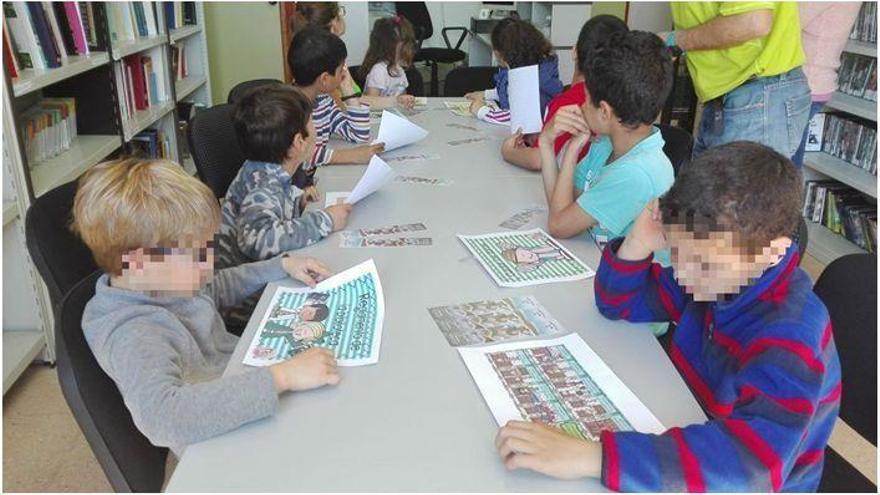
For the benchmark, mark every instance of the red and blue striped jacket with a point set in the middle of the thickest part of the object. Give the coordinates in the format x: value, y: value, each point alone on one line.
x: 353, y: 125
x: 763, y: 365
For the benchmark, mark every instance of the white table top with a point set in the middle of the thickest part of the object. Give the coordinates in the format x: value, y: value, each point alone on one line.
x: 416, y: 421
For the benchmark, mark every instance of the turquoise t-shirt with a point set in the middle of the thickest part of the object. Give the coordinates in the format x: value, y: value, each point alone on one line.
x: 615, y: 193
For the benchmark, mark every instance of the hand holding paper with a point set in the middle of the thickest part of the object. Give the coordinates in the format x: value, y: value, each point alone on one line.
x: 525, y: 100
x: 396, y: 131
x: 377, y: 175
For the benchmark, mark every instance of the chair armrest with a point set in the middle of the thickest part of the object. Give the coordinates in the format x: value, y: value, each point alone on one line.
x: 464, y: 33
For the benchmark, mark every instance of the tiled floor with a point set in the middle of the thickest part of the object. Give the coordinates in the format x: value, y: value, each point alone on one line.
x: 43, y: 448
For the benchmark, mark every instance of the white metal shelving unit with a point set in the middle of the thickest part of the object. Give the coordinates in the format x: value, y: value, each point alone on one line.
x: 825, y: 245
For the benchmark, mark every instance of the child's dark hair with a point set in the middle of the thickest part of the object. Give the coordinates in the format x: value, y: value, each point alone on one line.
x: 266, y: 120
x: 595, y: 33
x: 520, y: 43
x: 742, y: 187
x: 386, y: 34
x: 633, y: 74
x: 314, y: 51
x: 313, y: 14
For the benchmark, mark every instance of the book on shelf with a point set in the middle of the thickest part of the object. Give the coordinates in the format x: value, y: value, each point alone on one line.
x: 865, y: 27
x: 179, y: 14
x: 843, y: 211
x: 858, y: 76
x: 48, y: 128
x: 43, y: 35
x: 9, y: 59
x: 141, y: 83
x: 814, y: 132
x: 178, y: 62
x: 131, y: 21
x: 851, y: 140
x: 150, y: 143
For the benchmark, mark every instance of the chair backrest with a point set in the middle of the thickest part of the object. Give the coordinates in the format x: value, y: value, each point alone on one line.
x: 417, y: 14
x: 130, y: 462
x: 416, y: 82
x: 59, y: 254
x: 360, y: 79
x: 214, y: 147
x: 241, y: 88
x: 678, y: 147
x: 463, y: 80
x: 848, y: 287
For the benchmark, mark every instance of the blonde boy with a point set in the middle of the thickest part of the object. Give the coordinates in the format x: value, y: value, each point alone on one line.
x: 153, y: 324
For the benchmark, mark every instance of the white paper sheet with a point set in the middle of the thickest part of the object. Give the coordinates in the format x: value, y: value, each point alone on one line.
x: 332, y: 198
x: 378, y: 174
x: 351, y: 325
x: 396, y: 131
x: 556, y: 388
x: 525, y: 99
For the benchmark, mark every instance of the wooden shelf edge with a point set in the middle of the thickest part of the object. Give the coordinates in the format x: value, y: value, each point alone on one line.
x: 826, y: 246
x: 185, y: 32
x: 188, y: 85
x: 145, y: 118
x: 31, y: 80
x: 10, y: 212
x: 20, y: 348
x: 842, y: 171
x: 41, y: 174
x: 137, y: 46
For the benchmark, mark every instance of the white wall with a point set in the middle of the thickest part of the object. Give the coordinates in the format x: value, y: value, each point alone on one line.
x: 449, y: 14
x: 357, y: 31
x: 650, y: 16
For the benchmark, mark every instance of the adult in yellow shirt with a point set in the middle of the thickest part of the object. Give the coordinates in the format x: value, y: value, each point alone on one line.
x: 745, y: 61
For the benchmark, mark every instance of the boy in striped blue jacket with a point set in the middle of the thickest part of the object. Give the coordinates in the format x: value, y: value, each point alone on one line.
x: 753, y: 342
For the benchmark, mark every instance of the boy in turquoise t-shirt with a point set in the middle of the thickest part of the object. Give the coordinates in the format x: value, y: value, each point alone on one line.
x: 627, y: 83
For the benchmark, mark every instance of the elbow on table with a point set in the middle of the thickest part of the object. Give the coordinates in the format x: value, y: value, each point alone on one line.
x: 558, y: 228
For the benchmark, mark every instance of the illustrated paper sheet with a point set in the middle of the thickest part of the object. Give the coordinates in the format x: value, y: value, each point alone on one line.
x: 531, y: 257
x: 558, y: 381
x: 490, y: 322
x: 343, y: 313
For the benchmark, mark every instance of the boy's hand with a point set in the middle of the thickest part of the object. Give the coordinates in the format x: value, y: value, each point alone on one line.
x: 570, y: 119
x: 310, y: 195
x: 347, y: 83
x: 476, y: 103
x: 474, y: 94
x: 406, y: 101
x: 309, y: 369
x: 646, y: 236
x: 547, y: 450
x: 307, y: 270
x: 573, y: 148
x: 363, y: 154
x: 515, y: 141
x: 339, y: 214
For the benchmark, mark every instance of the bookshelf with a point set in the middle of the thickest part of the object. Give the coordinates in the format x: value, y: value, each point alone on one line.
x: 824, y: 244
x: 117, y: 33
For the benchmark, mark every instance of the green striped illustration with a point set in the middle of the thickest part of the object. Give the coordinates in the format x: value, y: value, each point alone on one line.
x: 525, y: 258
x: 346, y: 325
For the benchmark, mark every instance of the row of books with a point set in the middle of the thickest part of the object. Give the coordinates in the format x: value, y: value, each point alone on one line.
x: 179, y: 14
x: 852, y: 141
x: 842, y: 210
x: 48, y: 128
x: 141, y: 83
x: 178, y: 62
x: 150, y: 143
x: 130, y: 21
x: 42, y: 35
x: 858, y: 76
x: 865, y: 28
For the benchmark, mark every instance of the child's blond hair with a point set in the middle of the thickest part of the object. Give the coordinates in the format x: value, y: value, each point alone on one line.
x: 122, y: 205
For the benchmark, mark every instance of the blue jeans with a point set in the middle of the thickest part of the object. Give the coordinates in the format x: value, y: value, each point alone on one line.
x: 798, y: 159
x: 773, y: 111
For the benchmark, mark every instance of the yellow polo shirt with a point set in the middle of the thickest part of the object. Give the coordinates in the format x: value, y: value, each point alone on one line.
x: 717, y: 72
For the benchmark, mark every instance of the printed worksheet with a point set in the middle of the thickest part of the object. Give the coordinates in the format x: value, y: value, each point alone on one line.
x: 392, y: 229
x: 490, y: 322
x: 350, y: 239
x: 558, y: 381
x: 412, y: 157
x: 343, y: 313
x: 532, y: 257
x: 523, y: 217
x: 460, y: 108
x: 426, y: 181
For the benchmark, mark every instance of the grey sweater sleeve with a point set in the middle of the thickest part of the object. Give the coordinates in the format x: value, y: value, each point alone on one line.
x: 143, y: 357
x: 233, y: 285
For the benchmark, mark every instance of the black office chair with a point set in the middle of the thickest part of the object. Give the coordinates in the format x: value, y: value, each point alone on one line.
x: 416, y: 85
x: 463, y: 80
x: 417, y: 14
x: 241, y: 88
x: 130, y: 462
x: 59, y: 254
x: 848, y: 287
x: 214, y: 147
x: 678, y: 147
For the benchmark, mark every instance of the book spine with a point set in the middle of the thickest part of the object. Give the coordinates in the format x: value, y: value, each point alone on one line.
x: 41, y: 27
x: 74, y: 22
